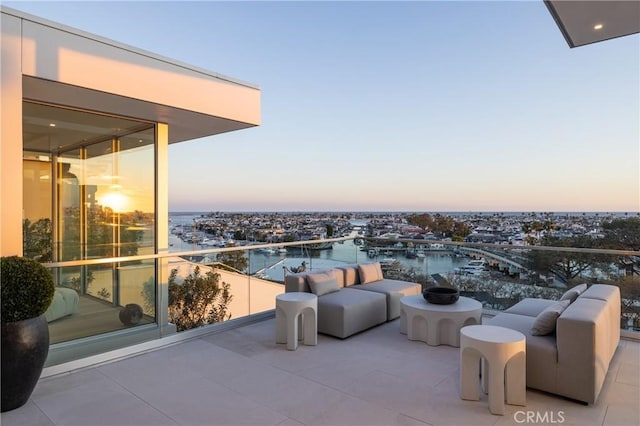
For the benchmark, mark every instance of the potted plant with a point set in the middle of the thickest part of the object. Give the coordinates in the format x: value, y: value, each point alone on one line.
x: 27, y: 289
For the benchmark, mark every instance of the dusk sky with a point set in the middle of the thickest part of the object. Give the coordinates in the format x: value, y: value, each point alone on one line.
x: 395, y: 106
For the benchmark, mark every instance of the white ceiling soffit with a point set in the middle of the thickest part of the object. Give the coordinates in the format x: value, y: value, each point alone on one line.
x: 183, y: 124
x: 586, y: 22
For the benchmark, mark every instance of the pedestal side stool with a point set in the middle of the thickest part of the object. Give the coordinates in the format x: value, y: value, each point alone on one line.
x: 503, y: 355
x: 297, y: 319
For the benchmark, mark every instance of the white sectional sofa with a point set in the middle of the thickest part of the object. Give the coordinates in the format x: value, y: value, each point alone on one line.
x: 568, y: 350
x: 352, y: 298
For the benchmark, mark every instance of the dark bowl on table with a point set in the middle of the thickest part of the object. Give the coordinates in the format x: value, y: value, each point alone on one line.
x: 441, y: 295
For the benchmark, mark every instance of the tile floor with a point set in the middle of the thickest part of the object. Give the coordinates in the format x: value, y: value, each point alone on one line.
x: 241, y: 377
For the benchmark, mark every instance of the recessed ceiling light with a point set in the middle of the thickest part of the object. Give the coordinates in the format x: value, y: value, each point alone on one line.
x: 597, y: 27
x: 52, y: 124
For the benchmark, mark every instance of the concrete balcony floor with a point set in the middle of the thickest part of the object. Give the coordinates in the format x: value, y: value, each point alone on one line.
x: 241, y: 377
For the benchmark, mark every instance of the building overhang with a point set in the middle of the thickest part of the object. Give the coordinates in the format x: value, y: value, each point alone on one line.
x: 587, y: 22
x: 183, y: 124
x: 65, y: 66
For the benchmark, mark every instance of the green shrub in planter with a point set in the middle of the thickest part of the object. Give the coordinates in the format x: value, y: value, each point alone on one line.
x: 27, y: 288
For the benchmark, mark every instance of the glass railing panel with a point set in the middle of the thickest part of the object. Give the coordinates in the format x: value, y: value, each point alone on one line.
x: 203, y: 292
x: 251, y: 274
x: 501, y: 275
x: 270, y: 264
x: 137, y: 286
x: 266, y: 271
x: 411, y: 260
x: 245, y: 279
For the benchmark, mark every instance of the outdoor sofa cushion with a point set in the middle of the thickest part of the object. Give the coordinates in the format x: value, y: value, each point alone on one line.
x: 323, y: 283
x: 370, y: 272
x: 394, y: 290
x: 545, y: 322
x: 571, y: 295
x: 348, y: 311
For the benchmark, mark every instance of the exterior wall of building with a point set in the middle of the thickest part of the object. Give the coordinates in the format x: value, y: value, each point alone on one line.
x: 89, y: 62
x: 11, y: 138
x: 45, y: 62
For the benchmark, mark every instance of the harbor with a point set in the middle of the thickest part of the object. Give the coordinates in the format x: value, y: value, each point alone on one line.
x: 487, y: 243
x: 421, y: 257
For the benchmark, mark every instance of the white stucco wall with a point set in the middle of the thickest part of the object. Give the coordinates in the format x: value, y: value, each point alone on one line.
x: 10, y: 138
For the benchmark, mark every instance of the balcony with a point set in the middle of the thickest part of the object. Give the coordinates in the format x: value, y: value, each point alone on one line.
x: 241, y: 377
x: 233, y: 372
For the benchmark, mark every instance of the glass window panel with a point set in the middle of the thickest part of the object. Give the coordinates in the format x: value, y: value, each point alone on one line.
x: 36, y: 225
x: 89, y: 183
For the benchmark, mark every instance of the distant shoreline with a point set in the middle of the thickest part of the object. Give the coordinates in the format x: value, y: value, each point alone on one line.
x: 451, y: 213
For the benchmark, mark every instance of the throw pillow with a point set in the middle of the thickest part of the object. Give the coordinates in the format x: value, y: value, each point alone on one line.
x: 370, y: 272
x: 580, y: 288
x: 545, y: 322
x: 571, y: 295
x: 322, y: 283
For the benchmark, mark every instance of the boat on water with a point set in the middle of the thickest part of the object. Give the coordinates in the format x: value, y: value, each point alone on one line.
x: 316, y: 246
x: 437, y: 246
x: 474, y: 267
x: 211, y: 242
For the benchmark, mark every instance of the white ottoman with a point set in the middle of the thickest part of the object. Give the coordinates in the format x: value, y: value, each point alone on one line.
x: 503, y: 354
x: 296, y: 318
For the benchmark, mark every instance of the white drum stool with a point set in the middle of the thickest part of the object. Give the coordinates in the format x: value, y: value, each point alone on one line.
x: 296, y: 318
x: 503, y: 355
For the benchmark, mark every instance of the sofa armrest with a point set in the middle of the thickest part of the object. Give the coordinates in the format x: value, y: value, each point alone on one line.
x: 611, y: 295
x: 582, y: 336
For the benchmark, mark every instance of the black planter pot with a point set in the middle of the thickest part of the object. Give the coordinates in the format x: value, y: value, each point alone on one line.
x: 25, y: 346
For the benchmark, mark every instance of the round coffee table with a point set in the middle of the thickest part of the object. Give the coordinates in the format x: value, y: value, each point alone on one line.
x: 437, y: 324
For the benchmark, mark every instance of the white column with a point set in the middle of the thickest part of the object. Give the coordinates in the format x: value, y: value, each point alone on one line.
x: 162, y: 227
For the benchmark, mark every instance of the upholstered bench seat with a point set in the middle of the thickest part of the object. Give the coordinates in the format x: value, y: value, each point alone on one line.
x: 394, y: 290
x: 349, y: 311
x: 368, y: 276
